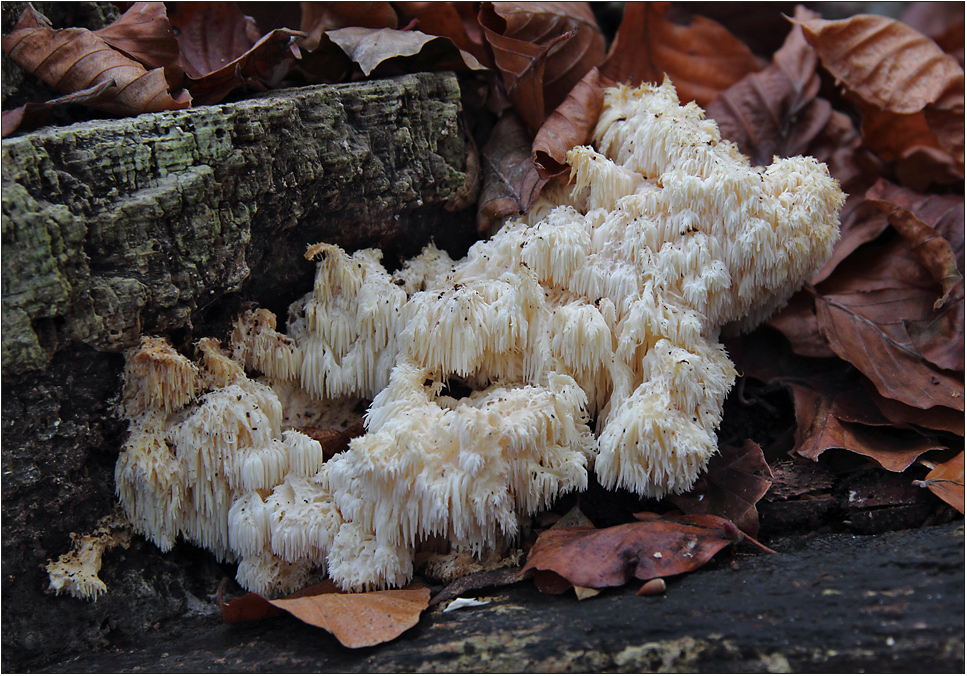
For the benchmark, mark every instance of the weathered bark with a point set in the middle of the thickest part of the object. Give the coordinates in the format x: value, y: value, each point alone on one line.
x: 169, y: 223
x: 115, y: 228
x: 890, y: 603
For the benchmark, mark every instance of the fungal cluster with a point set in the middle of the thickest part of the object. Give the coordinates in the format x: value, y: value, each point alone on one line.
x: 602, y: 306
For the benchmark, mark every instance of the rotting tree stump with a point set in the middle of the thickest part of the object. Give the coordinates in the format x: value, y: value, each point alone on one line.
x: 168, y: 223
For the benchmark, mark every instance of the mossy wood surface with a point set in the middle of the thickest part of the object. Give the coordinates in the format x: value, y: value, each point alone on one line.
x: 115, y: 228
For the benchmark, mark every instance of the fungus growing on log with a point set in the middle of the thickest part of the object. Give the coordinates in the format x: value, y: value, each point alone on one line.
x: 604, y: 303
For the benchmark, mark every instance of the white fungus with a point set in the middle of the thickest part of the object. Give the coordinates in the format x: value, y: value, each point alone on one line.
x: 605, y: 302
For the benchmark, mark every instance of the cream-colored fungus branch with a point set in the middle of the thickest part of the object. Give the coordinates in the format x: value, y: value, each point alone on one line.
x: 605, y: 302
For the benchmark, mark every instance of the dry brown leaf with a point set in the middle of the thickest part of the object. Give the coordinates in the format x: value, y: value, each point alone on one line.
x: 935, y: 252
x: 457, y: 21
x: 901, y: 415
x: 775, y: 111
x: 32, y: 115
x: 541, y: 51
x: 144, y: 34
x: 820, y: 430
x: 371, y: 47
x: 946, y: 481
x: 911, y: 92
x: 897, y: 371
x: 356, y: 620
x: 568, y: 126
x: 884, y: 62
x: 699, y: 55
x: 610, y: 557
x: 511, y: 182
x: 221, y: 49
x: 75, y: 59
x: 735, y: 480
x: 319, y: 17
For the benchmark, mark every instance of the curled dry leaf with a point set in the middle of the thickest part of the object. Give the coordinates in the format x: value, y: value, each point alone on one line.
x: 144, y: 34
x: 775, y: 111
x: 699, y: 55
x: 820, y: 430
x: 454, y: 20
x: 75, y: 59
x: 221, y: 49
x: 735, y: 480
x: 911, y: 92
x: 610, y: 557
x: 935, y: 253
x: 946, y: 481
x: 541, y: 51
x: 569, y: 125
x: 319, y: 17
x: 511, y: 182
x: 356, y: 620
x: 371, y: 47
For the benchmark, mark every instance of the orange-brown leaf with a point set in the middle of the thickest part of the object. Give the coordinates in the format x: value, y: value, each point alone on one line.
x: 363, y: 619
x: 568, y: 126
x: 75, y: 59
x: 946, y: 481
x: 609, y: 557
x: 884, y: 62
x: 371, y: 47
x: 510, y: 179
x: 898, y: 371
x: 32, y: 115
x: 541, y: 50
x: 820, y: 430
x: 144, y: 33
x: 735, y: 480
x: 775, y: 111
x: 699, y: 55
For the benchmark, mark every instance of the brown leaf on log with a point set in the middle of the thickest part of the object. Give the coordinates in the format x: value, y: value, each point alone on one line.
x: 699, y: 55
x: 820, y: 430
x: 144, y: 34
x: 568, y: 126
x: 32, y: 115
x: 511, y: 182
x: 356, y: 620
x: 369, y: 48
x: 735, y: 480
x: 610, y: 557
x: 946, y: 481
x: 457, y: 21
x: 75, y: 59
x: 221, y: 49
x: 541, y: 51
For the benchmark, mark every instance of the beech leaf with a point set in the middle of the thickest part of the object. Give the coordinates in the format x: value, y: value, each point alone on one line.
x: 610, y: 557
x: 511, y: 181
x: 946, y: 481
x: 897, y: 371
x: 735, y: 480
x: 541, y: 51
x: 370, y: 47
x: 75, y: 59
x: 320, y: 17
x: 454, y: 20
x: 33, y: 114
x: 144, y: 34
x: 701, y: 57
x: 819, y: 430
x: 775, y: 111
x: 357, y: 620
x: 568, y: 126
